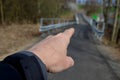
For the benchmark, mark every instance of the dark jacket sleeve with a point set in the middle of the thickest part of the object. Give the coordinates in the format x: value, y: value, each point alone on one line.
x: 22, y: 66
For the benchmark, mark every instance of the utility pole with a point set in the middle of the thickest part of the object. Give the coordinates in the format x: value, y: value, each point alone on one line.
x: 2, y: 12
x: 116, y: 27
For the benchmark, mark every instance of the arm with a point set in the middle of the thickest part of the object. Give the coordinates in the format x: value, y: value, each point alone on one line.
x: 33, y: 64
x: 24, y: 65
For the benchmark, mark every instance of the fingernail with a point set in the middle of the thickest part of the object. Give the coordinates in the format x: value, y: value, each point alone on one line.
x: 71, y: 61
x: 71, y: 30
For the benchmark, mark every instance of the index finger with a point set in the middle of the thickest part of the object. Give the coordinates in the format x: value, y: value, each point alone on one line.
x: 68, y: 33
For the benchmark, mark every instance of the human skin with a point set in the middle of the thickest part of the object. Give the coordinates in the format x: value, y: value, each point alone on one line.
x: 53, y: 51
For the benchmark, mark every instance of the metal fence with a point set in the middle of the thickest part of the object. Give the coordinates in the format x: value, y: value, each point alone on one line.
x: 99, y: 33
x: 53, y: 23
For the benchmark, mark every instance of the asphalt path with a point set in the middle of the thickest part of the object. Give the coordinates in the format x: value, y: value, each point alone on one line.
x: 89, y: 63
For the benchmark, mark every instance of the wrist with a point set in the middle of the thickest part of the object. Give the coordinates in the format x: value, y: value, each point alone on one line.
x: 40, y: 55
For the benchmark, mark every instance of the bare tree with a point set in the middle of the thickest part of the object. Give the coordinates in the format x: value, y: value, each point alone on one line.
x: 2, y: 12
x: 91, y: 7
x: 116, y: 26
x: 29, y: 11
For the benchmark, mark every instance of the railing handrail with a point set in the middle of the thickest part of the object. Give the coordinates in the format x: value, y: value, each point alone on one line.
x: 65, y: 22
x: 49, y: 27
x: 98, y: 33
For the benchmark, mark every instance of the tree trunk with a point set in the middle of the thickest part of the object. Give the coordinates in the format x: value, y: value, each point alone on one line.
x: 105, y: 12
x: 116, y: 27
x: 2, y: 13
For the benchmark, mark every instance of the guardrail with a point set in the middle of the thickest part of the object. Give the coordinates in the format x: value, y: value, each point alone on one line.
x: 99, y: 33
x: 54, y: 23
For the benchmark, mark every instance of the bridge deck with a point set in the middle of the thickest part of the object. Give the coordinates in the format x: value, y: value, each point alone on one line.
x: 89, y: 63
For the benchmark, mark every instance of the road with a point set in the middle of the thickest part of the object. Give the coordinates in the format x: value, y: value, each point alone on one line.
x: 89, y: 62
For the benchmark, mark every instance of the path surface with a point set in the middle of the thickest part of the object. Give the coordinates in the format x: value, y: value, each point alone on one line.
x: 89, y: 63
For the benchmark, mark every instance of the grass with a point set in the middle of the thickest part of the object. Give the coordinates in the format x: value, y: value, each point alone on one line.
x: 15, y: 37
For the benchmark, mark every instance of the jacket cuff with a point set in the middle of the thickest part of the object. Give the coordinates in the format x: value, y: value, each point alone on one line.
x: 28, y: 64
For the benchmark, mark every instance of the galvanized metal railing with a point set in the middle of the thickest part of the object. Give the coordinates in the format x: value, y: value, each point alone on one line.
x: 53, y: 23
x: 99, y: 33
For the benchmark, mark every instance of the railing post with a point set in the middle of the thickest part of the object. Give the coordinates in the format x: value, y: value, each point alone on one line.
x: 59, y: 21
x: 77, y: 19
x: 103, y: 29
x: 97, y: 26
x: 52, y: 21
x: 41, y: 22
x: 91, y: 22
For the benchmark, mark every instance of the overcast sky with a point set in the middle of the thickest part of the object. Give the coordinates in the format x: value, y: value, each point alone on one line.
x: 83, y: 1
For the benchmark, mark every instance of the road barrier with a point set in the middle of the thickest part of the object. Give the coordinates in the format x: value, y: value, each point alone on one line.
x: 99, y: 33
x: 54, y: 23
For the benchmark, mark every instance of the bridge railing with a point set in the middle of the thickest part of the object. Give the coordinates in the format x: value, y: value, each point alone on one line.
x: 99, y: 32
x: 53, y: 23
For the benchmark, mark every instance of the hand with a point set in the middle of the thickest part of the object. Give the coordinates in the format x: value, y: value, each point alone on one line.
x: 53, y: 51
